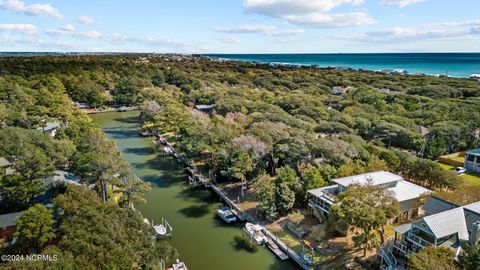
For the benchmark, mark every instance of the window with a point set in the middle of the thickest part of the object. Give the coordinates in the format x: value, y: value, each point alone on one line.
x: 471, y: 158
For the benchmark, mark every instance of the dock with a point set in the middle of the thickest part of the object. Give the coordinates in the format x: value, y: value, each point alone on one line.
x: 280, y: 249
x: 276, y: 250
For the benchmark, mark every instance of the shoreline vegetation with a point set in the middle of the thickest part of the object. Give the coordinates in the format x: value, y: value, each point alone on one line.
x: 264, y: 134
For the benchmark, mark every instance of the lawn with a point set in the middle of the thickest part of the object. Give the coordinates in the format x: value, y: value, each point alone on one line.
x: 470, y: 179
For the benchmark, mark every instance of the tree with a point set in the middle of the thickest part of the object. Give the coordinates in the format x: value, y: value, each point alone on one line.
x: 367, y: 209
x: 35, y: 227
x: 265, y: 191
x: 469, y: 258
x: 287, y: 175
x: 285, y: 197
x: 311, y: 177
x: 241, y: 165
x: 375, y: 164
x: 439, y: 258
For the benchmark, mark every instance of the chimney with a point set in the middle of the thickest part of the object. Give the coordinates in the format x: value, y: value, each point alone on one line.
x: 475, y: 233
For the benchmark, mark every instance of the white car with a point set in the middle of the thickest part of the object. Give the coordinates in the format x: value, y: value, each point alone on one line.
x: 460, y: 170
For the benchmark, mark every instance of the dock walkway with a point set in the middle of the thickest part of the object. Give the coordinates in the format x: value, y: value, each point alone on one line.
x: 197, y: 179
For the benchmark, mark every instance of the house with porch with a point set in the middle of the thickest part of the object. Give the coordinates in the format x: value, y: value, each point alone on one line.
x: 407, y: 194
x: 472, y: 161
x: 452, y: 227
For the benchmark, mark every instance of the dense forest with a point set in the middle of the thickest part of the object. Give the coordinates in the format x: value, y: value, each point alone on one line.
x: 87, y: 224
x: 278, y: 131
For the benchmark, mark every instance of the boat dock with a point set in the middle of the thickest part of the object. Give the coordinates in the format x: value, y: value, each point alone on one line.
x: 275, y: 249
x: 279, y: 248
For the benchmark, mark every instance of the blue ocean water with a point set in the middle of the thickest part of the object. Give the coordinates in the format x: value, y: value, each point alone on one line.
x: 455, y: 64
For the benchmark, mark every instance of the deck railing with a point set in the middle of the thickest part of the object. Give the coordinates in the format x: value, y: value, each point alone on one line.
x: 418, y: 240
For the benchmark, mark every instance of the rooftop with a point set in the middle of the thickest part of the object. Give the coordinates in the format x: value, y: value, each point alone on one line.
x: 8, y: 220
x: 4, y: 162
x: 405, y: 191
x: 374, y: 178
x: 474, y: 152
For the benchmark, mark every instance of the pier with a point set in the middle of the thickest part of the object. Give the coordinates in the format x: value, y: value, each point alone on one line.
x: 280, y: 249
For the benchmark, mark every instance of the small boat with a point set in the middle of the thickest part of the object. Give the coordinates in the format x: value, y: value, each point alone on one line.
x: 255, y: 231
x: 160, y: 230
x: 146, y: 133
x: 226, y: 214
x: 179, y: 266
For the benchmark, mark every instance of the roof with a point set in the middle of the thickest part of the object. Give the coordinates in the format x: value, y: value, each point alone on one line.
x: 448, y: 223
x: 375, y: 178
x: 205, y: 107
x: 8, y: 220
x: 4, y: 162
x: 50, y: 126
x: 405, y: 191
x: 435, y: 205
x: 319, y: 192
x: 422, y: 130
x: 402, y: 229
x: 61, y: 178
x: 475, y: 152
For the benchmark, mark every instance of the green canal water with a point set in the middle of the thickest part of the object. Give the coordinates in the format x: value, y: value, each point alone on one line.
x: 204, y: 241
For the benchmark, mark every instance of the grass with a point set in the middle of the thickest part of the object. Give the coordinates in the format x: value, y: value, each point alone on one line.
x: 470, y: 179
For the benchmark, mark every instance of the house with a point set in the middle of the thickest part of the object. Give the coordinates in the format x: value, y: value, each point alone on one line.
x: 475, y: 77
x: 452, y: 227
x: 406, y: 193
x: 50, y: 128
x: 422, y: 130
x: 472, y: 161
x: 8, y: 225
x: 399, y: 71
x: 7, y: 165
x: 208, y: 109
x: 340, y: 90
x: 59, y: 179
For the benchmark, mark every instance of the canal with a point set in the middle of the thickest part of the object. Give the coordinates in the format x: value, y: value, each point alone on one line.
x: 203, y: 240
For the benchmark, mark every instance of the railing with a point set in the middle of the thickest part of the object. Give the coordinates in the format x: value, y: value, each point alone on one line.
x: 418, y: 240
x: 292, y: 254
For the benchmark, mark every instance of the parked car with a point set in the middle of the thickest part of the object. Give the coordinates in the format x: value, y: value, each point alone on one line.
x: 460, y: 170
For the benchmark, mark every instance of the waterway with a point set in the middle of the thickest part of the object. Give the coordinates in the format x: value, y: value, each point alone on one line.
x: 203, y: 240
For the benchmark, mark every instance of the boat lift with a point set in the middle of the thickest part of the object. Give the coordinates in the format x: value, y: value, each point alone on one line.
x: 163, y: 229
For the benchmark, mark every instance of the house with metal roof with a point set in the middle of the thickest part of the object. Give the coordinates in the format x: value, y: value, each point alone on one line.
x: 451, y: 228
x: 8, y: 225
x: 472, y: 161
x: 407, y: 194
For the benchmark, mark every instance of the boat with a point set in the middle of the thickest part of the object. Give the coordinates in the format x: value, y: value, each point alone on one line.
x: 146, y: 133
x: 226, y: 214
x: 255, y: 231
x: 160, y: 230
x: 179, y: 266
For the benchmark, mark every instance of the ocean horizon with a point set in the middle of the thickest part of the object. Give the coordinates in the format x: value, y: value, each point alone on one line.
x: 453, y: 64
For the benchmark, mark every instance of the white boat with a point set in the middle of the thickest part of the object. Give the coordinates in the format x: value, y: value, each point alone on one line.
x: 226, y: 214
x: 179, y: 266
x: 255, y: 231
x: 160, y: 230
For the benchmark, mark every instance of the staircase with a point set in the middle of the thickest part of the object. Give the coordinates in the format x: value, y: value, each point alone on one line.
x: 385, y: 253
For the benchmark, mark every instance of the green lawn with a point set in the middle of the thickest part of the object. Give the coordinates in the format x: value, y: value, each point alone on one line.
x: 470, y: 179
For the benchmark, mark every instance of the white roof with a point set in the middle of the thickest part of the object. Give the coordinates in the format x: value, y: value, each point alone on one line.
x: 474, y: 207
x: 405, y: 191
x: 318, y: 192
x: 375, y: 178
x: 448, y: 223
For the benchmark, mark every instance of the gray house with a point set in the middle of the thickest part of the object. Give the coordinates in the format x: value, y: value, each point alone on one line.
x: 406, y: 193
x: 452, y: 227
x: 472, y: 161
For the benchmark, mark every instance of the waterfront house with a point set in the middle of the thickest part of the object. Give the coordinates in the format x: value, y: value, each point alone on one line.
x: 50, y: 128
x: 472, y: 161
x: 453, y: 227
x: 399, y: 72
x: 475, y: 77
x: 406, y: 193
x: 8, y: 225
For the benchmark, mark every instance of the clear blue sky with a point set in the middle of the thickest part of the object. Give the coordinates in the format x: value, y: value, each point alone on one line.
x: 241, y: 26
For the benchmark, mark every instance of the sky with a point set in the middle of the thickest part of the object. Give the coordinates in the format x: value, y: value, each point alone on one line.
x: 240, y: 26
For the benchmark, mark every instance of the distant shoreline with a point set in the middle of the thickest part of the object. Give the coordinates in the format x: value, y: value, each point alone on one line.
x: 460, y: 65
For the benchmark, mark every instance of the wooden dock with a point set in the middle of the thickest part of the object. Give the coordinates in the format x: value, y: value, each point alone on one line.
x: 274, y: 244
x: 276, y: 250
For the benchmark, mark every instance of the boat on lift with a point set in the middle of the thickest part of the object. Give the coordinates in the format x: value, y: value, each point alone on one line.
x: 226, y: 214
x: 255, y: 231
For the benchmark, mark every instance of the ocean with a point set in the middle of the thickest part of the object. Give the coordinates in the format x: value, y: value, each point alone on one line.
x: 455, y: 64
